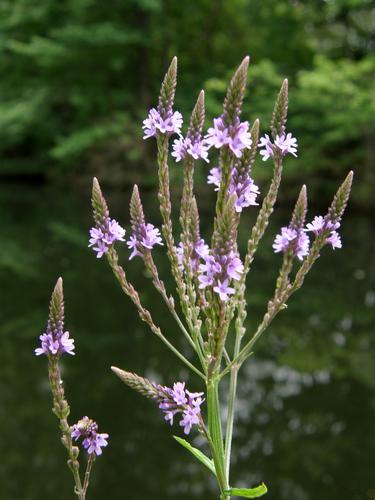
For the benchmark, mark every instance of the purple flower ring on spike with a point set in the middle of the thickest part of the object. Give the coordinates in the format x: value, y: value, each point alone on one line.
x: 55, y: 343
x: 320, y: 224
x: 184, y: 147
x: 199, y: 250
x: 103, y: 237
x: 235, y: 136
x: 291, y: 239
x: 181, y: 401
x: 154, y: 124
x: 218, y: 270
x: 241, y: 184
x: 93, y: 442
x: 283, y: 143
x: 145, y: 237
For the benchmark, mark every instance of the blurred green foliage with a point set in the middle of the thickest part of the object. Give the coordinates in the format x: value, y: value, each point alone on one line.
x: 77, y: 77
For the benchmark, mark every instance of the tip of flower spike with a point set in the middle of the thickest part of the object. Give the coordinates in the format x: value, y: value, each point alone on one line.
x: 246, y: 60
x: 340, y: 200
x: 59, y: 285
x: 280, y: 111
x: 116, y: 370
x: 57, y: 295
x: 235, y: 93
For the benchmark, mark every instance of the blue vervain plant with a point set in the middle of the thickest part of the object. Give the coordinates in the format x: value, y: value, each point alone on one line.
x: 210, y: 279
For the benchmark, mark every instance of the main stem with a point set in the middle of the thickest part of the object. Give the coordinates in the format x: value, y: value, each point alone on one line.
x: 214, y: 425
x: 231, y: 408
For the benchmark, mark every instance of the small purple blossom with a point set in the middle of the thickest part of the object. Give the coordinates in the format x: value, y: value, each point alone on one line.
x: 236, y: 136
x: 181, y: 401
x: 184, y: 147
x: 284, y: 143
x: 155, y: 124
x: 292, y: 239
x: 334, y: 240
x: 223, y: 290
x: 145, y: 237
x: 320, y: 224
x: 104, y: 236
x: 218, y: 270
x: 214, y: 177
x: 93, y: 442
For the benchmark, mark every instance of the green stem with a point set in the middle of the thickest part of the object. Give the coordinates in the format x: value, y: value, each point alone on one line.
x: 88, y: 472
x: 144, y: 314
x: 214, y: 425
x: 61, y: 410
x: 231, y: 406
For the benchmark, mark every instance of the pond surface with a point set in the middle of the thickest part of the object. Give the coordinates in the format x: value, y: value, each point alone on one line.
x: 305, y: 421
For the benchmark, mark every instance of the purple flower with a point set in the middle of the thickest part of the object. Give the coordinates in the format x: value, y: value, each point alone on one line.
x: 284, y: 143
x: 223, y: 290
x: 191, y: 416
x: 334, y: 240
x: 184, y: 147
x: 180, y: 401
x: 236, y: 136
x: 218, y: 270
x: 241, y: 184
x: 214, y: 177
x: 155, y: 124
x: 292, y: 239
x: 178, y: 393
x: 104, y: 236
x: 55, y: 343
x: 199, y: 250
x: 320, y: 224
x: 246, y: 191
x: 144, y: 237
x: 93, y: 442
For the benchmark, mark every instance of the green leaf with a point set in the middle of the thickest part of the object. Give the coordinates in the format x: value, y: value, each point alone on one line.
x: 198, y: 454
x: 248, y: 492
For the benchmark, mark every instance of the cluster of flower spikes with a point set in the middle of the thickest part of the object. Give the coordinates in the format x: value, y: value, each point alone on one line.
x: 181, y: 401
x: 144, y: 235
x: 293, y: 238
x: 55, y: 341
x: 93, y: 441
x: 106, y: 231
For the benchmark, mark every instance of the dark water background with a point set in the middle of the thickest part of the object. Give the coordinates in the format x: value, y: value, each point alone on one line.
x: 306, y: 409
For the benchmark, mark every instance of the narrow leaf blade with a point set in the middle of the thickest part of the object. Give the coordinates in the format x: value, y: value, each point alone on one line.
x: 198, y: 454
x: 249, y: 492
